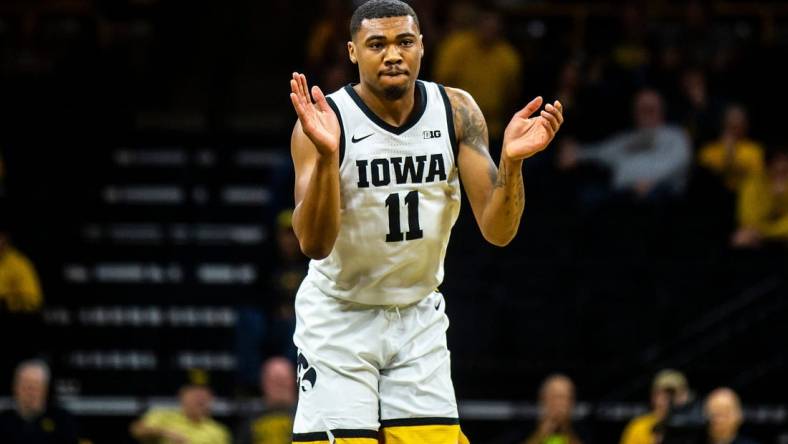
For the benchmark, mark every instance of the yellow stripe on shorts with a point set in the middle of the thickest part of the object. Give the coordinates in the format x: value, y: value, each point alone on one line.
x: 422, y: 431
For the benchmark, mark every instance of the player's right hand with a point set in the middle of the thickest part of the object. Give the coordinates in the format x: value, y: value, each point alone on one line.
x: 317, y: 119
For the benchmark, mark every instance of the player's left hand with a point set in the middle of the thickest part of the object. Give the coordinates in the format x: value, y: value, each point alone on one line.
x: 526, y: 135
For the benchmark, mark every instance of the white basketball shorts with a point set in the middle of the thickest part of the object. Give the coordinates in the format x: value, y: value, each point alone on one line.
x: 362, y: 368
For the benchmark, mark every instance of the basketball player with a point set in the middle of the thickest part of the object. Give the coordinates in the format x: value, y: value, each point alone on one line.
x: 378, y: 166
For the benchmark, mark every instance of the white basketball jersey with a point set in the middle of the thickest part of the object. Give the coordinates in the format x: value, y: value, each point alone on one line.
x: 400, y: 197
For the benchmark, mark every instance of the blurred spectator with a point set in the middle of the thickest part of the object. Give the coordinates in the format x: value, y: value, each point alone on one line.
x: 668, y: 386
x: 631, y: 53
x: 569, y: 83
x: 191, y: 423
x: 289, y: 273
x: 734, y: 157
x: 481, y: 61
x: 667, y: 71
x: 556, y: 403
x: 326, y: 51
x: 275, y: 424
x: 572, y: 94
x: 20, y: 303
x: 580, y: 88
x: 684, y: 422
x: 331, y: 30
x: 707, y: 42
x: 32, y: 420
x: 723, y: 410
x: 266, y: 329
x: 648, y: 162
x: 461, y: 16
x: 763, y: 205
x: 20, y: 291
x: 700, y: 111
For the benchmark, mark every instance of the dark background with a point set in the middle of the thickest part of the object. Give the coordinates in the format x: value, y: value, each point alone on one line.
x: 608, y: 297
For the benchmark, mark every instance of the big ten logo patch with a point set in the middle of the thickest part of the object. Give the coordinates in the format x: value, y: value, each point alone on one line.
x: 307, y: 375
x: 434, y: 134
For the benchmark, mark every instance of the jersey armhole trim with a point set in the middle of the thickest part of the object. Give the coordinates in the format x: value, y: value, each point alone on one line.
x: 334, y: 107
x: 455, y: 146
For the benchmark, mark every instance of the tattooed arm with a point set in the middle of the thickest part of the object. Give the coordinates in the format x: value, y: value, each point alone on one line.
x: 497, y: 195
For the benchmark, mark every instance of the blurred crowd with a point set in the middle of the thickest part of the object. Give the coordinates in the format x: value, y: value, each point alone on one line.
x: 671, y: 118
x: 677, y: 415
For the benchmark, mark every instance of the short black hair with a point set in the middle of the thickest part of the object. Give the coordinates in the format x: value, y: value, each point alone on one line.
x: 374, y: 9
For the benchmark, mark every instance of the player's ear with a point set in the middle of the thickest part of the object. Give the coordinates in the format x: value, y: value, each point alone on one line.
x: 351, y: 50
x: 421, y: 44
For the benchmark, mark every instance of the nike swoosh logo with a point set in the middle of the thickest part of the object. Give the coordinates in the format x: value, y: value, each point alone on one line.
x: 354, y: 140
x: 438, y: 305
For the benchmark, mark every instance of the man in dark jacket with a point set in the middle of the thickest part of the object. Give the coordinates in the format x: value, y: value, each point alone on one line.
x: 32, y: 421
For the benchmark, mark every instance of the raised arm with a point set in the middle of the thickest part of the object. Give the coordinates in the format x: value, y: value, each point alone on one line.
x: 314, y: 145
x: 497, y: 195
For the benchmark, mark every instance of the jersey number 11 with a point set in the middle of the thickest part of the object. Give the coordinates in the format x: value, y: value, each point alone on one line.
x: 395, y: 231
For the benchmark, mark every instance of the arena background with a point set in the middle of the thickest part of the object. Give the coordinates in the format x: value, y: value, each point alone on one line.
x: 145, y: 153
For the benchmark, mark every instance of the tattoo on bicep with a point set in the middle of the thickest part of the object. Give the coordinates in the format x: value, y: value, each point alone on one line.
x: 473, y: 129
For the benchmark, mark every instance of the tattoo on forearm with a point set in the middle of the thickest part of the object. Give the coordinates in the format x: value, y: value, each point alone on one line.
x: 513, y: 188
x: 500, y: 181
x: 520, y: 199
x: 515, y: 201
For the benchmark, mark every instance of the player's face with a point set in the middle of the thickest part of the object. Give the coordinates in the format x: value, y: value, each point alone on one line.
x: 388, y: 52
